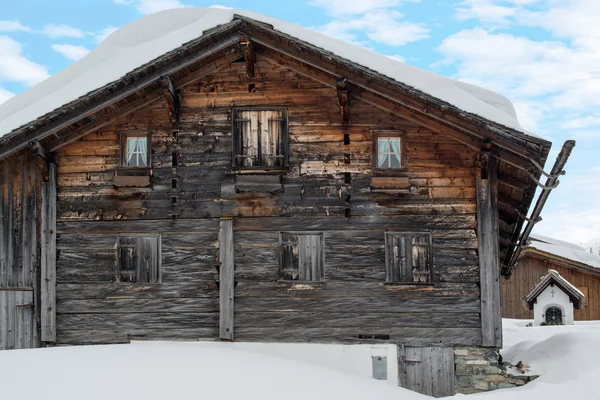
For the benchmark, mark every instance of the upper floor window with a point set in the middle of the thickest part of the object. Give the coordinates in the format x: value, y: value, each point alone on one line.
x: 260, y: 138
x: 301, y: 256
x: 135, y: 150
x: 389, y: 151
x: 408, y: 257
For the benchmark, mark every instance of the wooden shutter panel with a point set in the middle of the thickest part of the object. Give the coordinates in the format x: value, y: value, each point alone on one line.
x: 395, y: 258
x: 421, y: 259
x: 127, y: 260
x: 289, y: 257
x: 310, y: 257
x: 147, y: 259
x: 139, y: 259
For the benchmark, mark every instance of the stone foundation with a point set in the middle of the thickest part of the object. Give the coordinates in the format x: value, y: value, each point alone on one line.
x: 478, y: 370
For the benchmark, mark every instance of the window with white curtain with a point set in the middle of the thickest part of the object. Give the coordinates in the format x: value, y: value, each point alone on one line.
x: 135, y: 151
x: 389, y: 152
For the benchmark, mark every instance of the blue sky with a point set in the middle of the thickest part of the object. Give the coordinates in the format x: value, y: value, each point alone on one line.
x: 542, y: 54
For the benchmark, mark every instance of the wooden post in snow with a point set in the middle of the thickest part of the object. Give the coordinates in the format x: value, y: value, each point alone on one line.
x: 48, y: 258
x: 226, y: 278
x: 489, y: 252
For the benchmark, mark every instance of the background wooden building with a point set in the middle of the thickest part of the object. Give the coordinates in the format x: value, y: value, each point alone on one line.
x: 574, y: 263
x: 244, y: 184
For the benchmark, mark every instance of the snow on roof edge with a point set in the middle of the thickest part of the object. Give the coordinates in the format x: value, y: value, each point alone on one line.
x: 566, y: 250
x: 150, y: 37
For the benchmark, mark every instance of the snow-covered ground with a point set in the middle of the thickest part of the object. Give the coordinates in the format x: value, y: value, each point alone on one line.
x: 565, y: 356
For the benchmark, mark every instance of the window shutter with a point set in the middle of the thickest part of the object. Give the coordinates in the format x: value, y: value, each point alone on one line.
x: 139, y: 259
x: 302, y: 257
x: 147, y: 259
x: 127, y: 260
x: 421, y: 260
x: 289, y: 257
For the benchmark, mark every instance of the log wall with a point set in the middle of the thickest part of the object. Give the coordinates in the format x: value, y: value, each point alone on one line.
x: 20, y: 197
x: 327, y: 189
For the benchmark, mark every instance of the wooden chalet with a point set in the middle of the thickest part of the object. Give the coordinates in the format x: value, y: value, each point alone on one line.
x: 248, y: 184
x: 543, y: 254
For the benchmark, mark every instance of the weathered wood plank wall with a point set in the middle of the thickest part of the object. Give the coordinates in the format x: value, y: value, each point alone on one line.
x: 20, y: 196
x: 327, y: 181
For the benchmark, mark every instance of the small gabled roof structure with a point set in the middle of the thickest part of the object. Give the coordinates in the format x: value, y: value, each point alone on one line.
x: 554, y: 278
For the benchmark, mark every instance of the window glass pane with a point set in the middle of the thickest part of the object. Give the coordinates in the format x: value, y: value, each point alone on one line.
x: 137, y: 151
x: 382, y: 155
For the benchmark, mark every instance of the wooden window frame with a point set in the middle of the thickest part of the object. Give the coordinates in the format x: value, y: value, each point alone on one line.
x: 123, y: 148
x: 388, y: 258
x: 390, y: 134
x: 236, y: 140
x: 158, y: 237
x: 322, y: 256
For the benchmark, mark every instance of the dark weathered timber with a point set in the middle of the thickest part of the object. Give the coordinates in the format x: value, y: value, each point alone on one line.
x: 48, y: 258
x: 427, y: 370
x: 489, y: 257
x: 226, y: 280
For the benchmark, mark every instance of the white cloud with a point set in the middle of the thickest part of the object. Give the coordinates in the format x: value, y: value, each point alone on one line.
x: 485, y: 10
x: 349, y: 7
x: 57, y: 31
x: 220, y: 6
x: 13, y: 26
x: 104, y: 33
x: 151, y: 6
x: 71, y: 52
x: 15, y: 67
x: 382, y: 26
x: 5, y: 95
x: 566, y: 78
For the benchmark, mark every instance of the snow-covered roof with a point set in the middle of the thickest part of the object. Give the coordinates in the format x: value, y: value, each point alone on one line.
x: 562, y: 249
x: 148, y: 38
x: 554, y: 277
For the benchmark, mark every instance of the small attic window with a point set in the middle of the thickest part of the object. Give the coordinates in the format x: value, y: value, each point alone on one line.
x: 260, y: 138
x: 135, y: 150
x: 389, y: 151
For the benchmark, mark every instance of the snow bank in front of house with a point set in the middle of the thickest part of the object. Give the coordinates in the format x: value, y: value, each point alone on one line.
x: 148, y: 38
x: 564, y: 249
x: 566, y: 358
x: 178, y: 371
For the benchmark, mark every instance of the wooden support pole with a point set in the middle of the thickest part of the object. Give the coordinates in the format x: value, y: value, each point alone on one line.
x: 489, y: 252
x: 249, y: 56
x: 342, y: 94
x: 172, y: 98
x: 48, y: 258
x: 226, y: 277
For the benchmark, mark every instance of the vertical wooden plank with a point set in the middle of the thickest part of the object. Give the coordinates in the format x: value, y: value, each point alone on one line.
x: 401, y: 354
x: 48, y: 258
x: 489, y: 256
x: 10, y: 320
x: 3, y: 319
x: 226, y: 278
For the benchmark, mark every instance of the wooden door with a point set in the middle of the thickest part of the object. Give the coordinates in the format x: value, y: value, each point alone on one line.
x: 17, y: 322
x: 427, y: 370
